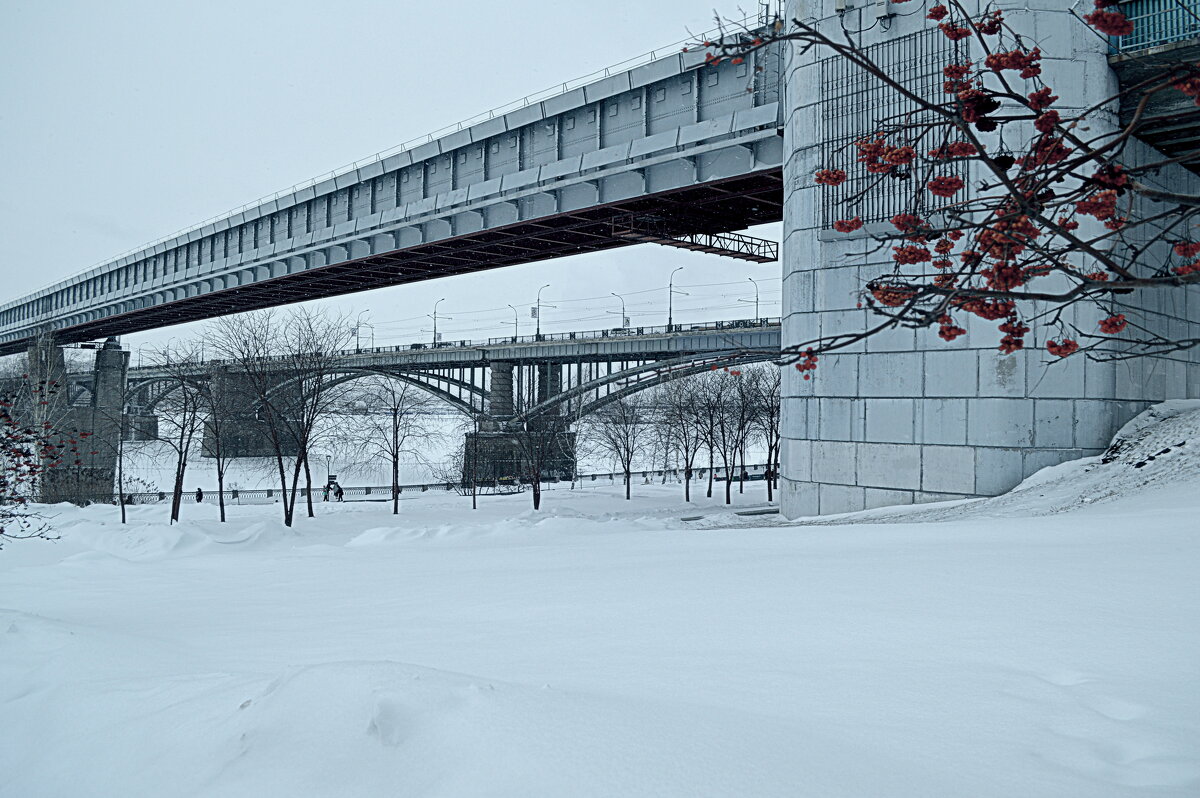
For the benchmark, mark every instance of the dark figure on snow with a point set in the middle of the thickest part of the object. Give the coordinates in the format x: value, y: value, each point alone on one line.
x: 325, y: 494
x: 338, y: 493
x: 199, y: 495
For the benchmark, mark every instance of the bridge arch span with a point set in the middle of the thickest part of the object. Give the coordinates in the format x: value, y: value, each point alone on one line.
x: 643, y: 376
x: 412, y: 378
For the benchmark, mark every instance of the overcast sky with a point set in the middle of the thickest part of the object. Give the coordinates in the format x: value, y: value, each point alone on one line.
x: 124, y: 121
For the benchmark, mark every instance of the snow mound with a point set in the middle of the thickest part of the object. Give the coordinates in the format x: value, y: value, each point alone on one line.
x: 1149, y: 459
x: 138, y: 542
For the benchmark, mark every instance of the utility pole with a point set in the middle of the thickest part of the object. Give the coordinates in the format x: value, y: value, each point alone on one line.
x: 537, y: 314
x: 756, y: 316
x: 435, y: 318
x: 671, y: 298
x: 516, y: 328
x: 624, y: 318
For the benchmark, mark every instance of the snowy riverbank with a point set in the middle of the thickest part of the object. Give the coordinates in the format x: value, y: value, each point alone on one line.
x: 1033, y: 645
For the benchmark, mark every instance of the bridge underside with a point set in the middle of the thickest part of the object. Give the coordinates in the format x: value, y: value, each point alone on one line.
x: 715, y: 207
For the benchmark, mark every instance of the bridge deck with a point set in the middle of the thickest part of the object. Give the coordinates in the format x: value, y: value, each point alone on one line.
x: 692, y: 149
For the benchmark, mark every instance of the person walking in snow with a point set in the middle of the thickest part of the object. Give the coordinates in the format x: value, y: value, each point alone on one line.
x: 199, y: 495
x: 338, y: 493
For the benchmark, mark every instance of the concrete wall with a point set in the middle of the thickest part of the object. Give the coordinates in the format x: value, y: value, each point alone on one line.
x: 906, y: 417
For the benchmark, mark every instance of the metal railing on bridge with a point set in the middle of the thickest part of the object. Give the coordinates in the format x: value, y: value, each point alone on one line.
x: 1157, y: 23
x: 586, y: 335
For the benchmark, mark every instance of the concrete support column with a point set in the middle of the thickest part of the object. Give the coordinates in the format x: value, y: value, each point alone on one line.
x: 549, y: 381
x: 500, y: 403
x: 101, y: 422
x: 906, y: 417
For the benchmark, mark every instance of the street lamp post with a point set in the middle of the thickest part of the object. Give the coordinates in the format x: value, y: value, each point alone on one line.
x: 516, y: 323
x: 751, y: 279
x: 358, y: 325
x: 435, y: 318
x: 624, y: 318
x: 671, y: 298
x: 539, y: 309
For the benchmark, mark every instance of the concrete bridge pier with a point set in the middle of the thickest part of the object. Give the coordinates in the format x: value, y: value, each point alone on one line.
x: 905, y: 417
x: 244, y: 433
x: 98, y: 426
x: 501, y: 449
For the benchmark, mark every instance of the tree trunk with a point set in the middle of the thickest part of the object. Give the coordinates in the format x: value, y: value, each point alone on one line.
x: 710, y: 472
x: 628, y: 481
x: 742, y: 474
x: 687, y: 484
x: 725, y: 458
x: 396, y: 483
x: 221, y: 487
x: 121, y: 480
x: 177, y: 490
x: 289, y: 499
x: 537, y: 492
x: 770, y: 476
x: 308, y: 488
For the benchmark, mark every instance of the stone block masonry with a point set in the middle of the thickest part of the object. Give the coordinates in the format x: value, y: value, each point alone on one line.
x: 906, y: 417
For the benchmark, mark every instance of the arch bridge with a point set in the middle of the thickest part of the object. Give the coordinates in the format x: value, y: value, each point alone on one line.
x: 505, y: 382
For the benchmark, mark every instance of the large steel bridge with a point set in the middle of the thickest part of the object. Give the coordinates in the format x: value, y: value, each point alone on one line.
x: 671, y: 151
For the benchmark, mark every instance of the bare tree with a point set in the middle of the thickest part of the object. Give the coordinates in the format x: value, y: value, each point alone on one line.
x: 248, y: 343
x: 180, y: 413
x: 309, y: 341
x: 622, y: 429
x: 387, y: 418
x: 287, y: 364
x: 679, y: 413
x: 730, y: 416
x: 221, y: 402
x: 708, y: 399
x: 765, y: 415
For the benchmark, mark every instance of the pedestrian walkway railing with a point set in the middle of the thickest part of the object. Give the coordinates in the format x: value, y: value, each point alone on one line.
x: 755, y: 472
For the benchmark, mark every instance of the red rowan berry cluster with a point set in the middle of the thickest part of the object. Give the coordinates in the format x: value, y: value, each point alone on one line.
x: 830, y: 177
x: 1046, y: 151
x: 990, y: 24
x: 1190, y: 86
x: 1110, y: 23
x: 1014, y: 335
x: 948, y: 330
x: 946, y: 186
x: 848, y: 225
x: 1113, y: 324
x: 1102, y: 205
x: 910, y: 254
x: 1027, y: 63
x: 954, y: 33
x: 1062, y: 348
x: 954, y: 149
x: 989, y: 310
x: 891, y: 296
x: 807, y: 364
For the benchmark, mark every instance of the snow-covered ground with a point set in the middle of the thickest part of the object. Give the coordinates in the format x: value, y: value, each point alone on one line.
x: 1045, y: 643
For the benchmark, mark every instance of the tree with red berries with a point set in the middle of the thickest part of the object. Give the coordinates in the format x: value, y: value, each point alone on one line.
x: 28, y: 449
x: 1015, y: 209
